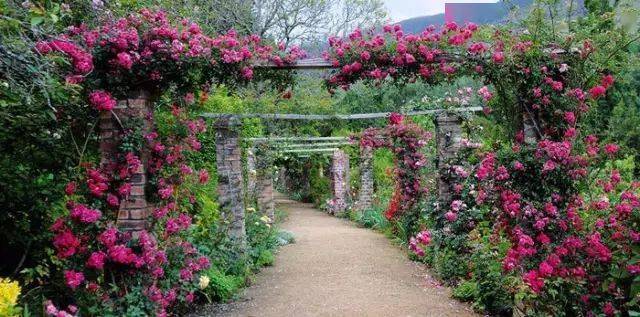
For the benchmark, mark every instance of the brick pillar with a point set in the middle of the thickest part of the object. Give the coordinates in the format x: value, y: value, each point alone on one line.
x: 133, y: 211
x: 448, y: 143
x: 529, y: 129
x: 264, y: 185
x: 365, y: 197
x: 230, y: 184
x: 340, y: 181
x: 251, y: 176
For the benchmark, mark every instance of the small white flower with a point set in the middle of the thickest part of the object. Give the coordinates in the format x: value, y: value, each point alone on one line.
x: 204, y: 281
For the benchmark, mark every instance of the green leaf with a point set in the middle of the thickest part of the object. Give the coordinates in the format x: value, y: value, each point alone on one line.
x: 36, y: 20
x: 635, y: 289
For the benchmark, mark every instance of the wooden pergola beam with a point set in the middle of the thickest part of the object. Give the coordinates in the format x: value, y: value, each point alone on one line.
x: 308, y: 150
x: 359, y: 116
x: 315, y: 145
x: 307, y: 63
x: 297, y: 139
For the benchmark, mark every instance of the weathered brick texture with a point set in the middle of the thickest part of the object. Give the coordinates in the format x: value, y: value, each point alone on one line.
x: 365, y: 196
x: 133, y: 211
x: 448, y: 144
x: 230, y: 183
x: 251, y: 176
x: 264, y: 185
x: 340, y: 181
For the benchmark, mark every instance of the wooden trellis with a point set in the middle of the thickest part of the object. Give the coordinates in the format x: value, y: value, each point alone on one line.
x: 360, y: 116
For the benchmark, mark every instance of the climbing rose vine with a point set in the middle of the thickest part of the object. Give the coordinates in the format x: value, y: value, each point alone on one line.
x: 146, y: 49
x: 105, y: 268
x: 405, y: 139
x: 102, y: 262
x: 569, y: 217
x: 431, y: 56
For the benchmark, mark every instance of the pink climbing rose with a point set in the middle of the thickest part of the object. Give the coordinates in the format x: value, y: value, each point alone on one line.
x: 597, y: 92
x: 203, y: 176
x: 396, y: 118
x: 83, y: 214
x: 102, y: 100
x: 73, y: 279
x: 96, y: 260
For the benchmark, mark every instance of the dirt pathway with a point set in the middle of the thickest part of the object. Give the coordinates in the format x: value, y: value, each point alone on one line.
x: 338, y: 269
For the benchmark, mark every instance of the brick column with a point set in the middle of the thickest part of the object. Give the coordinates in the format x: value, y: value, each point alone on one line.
x: 448, y: 143
x: 230, y: 184
x: 251, y: 176
x: 340, y: 181
x: 365, y: 197
x: 529, y: 129
x: 133, y: 211
x: 264, y: 185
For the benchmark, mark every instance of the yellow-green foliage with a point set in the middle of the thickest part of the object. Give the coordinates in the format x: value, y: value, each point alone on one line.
x: 383, y: 174
x: 209, y: 213
x: 221, y: 101
x: 9, y: 292
x: 222, y: 286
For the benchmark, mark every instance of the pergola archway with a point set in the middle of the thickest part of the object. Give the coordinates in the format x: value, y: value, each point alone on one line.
x: 232, y: 193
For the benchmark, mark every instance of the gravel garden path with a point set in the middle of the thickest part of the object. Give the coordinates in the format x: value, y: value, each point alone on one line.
x: 337, y: 269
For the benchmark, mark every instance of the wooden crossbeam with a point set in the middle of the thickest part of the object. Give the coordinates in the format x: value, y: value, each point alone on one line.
x: 297, y: 139
x: 308, y: 150
x: 307, y: 63
x: 359, y: 116
x: 315, y: 145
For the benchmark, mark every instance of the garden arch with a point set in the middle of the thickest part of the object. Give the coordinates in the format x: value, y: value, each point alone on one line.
x: 544, y: 97
x: 232, y: 192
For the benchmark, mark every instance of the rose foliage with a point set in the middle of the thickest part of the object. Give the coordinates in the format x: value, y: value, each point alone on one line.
x: 569, y: 218
x: 107, y: 269
x: 405, y: 139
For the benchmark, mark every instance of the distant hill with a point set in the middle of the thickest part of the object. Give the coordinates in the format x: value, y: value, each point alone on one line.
x: 480, y: 13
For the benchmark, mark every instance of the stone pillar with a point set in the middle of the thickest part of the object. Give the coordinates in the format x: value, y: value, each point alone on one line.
x: 448, y: 144
x: 133, y: 211
x: 339, y: 181
x: 529, y: 129
x: 251, y: 176
x: 264, y: 180
x: 365, y: 197
x: 230, y: 184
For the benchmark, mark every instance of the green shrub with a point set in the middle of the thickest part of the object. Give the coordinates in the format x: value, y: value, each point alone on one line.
x: 493, y: 285
x: 466, y: 291
x: 374, y: 219
x: 222, y: 286
x: 284, y: 237
x: 449, y: 264
x: 265, y: 258
x: 319, y: 187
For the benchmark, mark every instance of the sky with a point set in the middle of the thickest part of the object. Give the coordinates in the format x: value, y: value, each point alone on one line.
x: 404, y: 9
